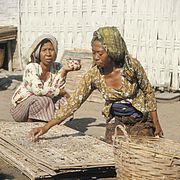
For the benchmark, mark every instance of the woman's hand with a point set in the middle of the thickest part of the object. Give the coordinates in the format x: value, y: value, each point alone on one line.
x: 72, y: 65
x: 35, y: 133
x: 158, y: 130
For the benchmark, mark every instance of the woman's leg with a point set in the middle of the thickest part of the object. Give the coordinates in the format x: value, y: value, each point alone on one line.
x: 143, y: 128
x: 110, y: 129
x: 41, y: 108
x: 20, y: 112
x: 33, y: 108
x: 139, y: 127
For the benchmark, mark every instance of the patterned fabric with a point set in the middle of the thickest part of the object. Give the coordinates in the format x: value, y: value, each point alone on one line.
x: 144, y: 127
x: 115, y: 46
x: 113, y: 43
x: 32, y: 84
x: 138, y: 91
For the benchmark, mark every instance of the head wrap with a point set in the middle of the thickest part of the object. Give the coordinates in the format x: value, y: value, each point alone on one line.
x: 33, y: 53
x: 116, y: 49
x: 113, y: 43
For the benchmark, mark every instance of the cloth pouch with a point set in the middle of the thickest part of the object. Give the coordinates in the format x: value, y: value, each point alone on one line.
x: 124, y: 109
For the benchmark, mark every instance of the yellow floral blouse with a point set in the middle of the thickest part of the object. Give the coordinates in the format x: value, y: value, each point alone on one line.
x: 33, y: 85
x: 138, y: 91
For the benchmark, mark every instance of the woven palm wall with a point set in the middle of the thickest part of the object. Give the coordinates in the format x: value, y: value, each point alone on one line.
x: 72, y: 22
x: 8, y: 12
x: 150, y: 29
x: 152, y: 34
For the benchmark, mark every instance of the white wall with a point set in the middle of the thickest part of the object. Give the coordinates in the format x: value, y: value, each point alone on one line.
x: 8, y: 12
x: 151, y: 29
x: 152, y: 33
x: 72, y: 22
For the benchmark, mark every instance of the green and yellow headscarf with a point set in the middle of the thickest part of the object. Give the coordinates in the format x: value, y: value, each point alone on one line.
x: 113, y: 43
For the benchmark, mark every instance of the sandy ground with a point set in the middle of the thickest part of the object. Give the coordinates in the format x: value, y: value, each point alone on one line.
x: 88, y: 119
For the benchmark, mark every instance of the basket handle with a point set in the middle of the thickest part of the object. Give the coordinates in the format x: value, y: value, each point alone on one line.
x: 123, y: 129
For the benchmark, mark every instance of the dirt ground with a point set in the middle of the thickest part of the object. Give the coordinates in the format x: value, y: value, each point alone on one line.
x: 88, y: 119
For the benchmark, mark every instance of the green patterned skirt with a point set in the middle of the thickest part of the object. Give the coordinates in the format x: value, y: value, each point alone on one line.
x: 137, y: 127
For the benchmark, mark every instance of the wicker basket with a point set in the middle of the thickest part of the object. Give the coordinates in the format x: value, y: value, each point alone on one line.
x: 146, y: 158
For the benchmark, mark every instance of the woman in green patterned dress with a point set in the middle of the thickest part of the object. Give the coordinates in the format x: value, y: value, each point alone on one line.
x: 122, y: 81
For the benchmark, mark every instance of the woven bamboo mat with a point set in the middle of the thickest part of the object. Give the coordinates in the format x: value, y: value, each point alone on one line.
x: 59, y: 151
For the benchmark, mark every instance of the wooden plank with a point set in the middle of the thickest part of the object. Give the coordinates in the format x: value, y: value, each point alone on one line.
x: 26, y: 153
x: 17, y: 150
x: 24, y: 164
x: 10, y: 56
x: 8, y: 33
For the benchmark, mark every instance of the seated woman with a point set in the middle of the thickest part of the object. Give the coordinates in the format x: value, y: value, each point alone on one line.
x: 122, y: 81
x: 43, y: 82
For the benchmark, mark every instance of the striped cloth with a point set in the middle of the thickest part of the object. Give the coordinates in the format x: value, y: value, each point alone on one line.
x: 34, y: 108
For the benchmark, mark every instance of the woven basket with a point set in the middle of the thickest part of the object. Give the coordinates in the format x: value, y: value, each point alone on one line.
x: 146, y: 158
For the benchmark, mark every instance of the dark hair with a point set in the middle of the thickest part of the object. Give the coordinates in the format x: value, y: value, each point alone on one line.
x: 44, y: 41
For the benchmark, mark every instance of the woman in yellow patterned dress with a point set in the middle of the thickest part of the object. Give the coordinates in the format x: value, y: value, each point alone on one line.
x: 122, y: 81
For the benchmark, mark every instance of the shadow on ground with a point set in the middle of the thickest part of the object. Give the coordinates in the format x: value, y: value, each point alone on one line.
x: 5, y: 176
x: 10, y: 82
x: 82, y: 124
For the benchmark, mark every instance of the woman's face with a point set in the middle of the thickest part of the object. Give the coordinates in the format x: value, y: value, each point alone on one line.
x: 47, y: 54
x: 100, y: 55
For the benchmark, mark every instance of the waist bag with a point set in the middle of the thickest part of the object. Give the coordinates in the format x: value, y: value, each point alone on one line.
x: 123, y: 109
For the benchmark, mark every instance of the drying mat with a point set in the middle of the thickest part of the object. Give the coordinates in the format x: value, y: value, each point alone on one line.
x: 59, y: 151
